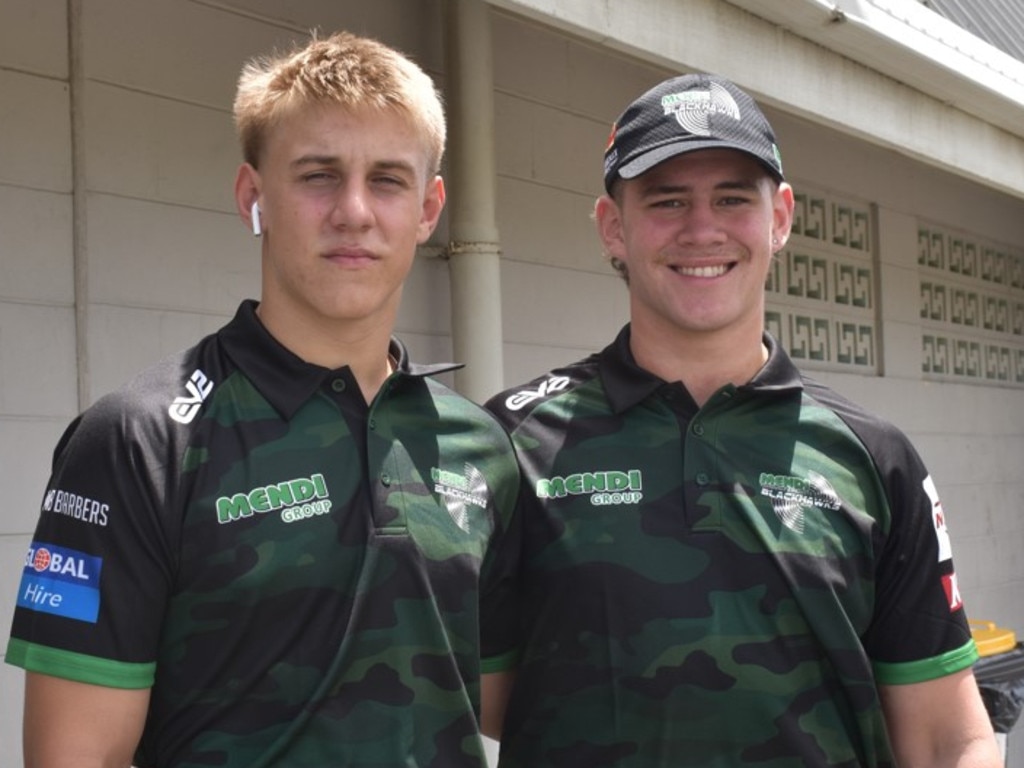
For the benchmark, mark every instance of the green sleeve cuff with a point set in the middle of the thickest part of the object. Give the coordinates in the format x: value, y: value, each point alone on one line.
x: 904, y: 673
x: 78, y: 666
x: 502, y: 663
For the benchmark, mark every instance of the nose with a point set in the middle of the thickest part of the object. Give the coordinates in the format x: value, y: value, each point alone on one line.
x: 700, y: 225
x: 352, y: 208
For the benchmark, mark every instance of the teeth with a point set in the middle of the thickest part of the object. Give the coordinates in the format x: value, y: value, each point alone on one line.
x: 721, y: 269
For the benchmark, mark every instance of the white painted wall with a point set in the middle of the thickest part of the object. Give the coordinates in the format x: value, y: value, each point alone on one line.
x: 37, y: 360
x: 167, y: 260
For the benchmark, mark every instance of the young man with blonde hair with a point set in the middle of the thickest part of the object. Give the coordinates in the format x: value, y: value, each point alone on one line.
x: 291, y: 518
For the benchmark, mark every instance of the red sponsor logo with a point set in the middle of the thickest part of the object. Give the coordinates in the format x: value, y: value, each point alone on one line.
x: 952, y: 588
x: 611, y: 138
x: 41, y: 559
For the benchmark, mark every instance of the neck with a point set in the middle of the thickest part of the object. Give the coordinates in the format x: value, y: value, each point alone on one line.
x: 363, y: 348
x: 703, y: 362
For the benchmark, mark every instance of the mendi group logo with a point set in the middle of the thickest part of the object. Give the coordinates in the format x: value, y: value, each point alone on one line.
x: 298, y: 499
x: 604, y: 488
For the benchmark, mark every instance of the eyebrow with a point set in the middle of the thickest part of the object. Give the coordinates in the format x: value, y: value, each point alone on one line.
x: 741, y: 185
x: 334, y: 160
x: 314, y: 160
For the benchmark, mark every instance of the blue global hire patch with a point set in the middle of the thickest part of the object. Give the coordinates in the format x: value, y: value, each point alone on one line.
x: 61, y: 581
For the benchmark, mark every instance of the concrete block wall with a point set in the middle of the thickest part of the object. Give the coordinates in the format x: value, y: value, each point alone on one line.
x: 554, y: 110
x: 37, y: 345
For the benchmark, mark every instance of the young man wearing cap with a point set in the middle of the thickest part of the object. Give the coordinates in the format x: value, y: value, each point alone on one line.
x: 723, y: 563
x: 268, y: 549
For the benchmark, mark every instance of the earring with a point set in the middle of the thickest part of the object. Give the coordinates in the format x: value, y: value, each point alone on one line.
x: 257, y: 225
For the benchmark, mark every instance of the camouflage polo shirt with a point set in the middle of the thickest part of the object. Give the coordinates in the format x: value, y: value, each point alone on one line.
x: 294, y: 573
x: 715, y: 586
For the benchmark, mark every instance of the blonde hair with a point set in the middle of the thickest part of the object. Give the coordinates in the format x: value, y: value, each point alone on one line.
x: 355, y: 72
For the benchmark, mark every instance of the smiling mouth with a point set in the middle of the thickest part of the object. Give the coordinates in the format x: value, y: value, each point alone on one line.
x: 713, y: 271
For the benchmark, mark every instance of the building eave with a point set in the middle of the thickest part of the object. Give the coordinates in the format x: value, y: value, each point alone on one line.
x: 914, y: 45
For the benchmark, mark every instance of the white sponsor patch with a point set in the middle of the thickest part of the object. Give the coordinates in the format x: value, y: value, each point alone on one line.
x: 939, y: 520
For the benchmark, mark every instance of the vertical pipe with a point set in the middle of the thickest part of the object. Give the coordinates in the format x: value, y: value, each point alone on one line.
x: 474, y: 250
x: 79, y: 191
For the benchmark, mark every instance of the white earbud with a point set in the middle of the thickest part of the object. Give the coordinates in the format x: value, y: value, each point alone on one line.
x: 257, y: 226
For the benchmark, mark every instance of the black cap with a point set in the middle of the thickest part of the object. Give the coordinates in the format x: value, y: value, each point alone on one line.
x: 685, y: 114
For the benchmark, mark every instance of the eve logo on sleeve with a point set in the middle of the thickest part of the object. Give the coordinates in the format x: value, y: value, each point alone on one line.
x: 521, y: 399
x: 185, y: 407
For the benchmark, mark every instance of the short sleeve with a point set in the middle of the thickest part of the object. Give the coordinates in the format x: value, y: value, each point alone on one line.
x: 98, y: 570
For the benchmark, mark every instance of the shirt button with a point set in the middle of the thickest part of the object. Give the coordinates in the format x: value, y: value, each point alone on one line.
x: 338, y: 385
x: 385, y: 479
x: 702, y: 478
x: 698, y: 428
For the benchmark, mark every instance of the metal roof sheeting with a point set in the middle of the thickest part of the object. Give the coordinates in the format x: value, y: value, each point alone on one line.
x: 998, y: 22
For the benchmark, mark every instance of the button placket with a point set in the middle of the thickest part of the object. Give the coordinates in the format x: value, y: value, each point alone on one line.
x: 698, y: 429
x: 384, y: 454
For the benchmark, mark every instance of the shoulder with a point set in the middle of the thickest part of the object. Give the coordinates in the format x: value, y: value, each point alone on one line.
x: 424, y: 409
x: 160, y: 400
x: 462, y: 438
x: 881, y: 437
x: 893, y: 457
x: 516, y: 404
x: 448, y: 402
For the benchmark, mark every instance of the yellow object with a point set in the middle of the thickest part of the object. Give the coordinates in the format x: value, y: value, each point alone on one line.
x: 991, y: 639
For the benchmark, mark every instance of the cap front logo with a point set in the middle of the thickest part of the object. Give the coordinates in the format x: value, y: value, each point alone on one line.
x: 693, y: 109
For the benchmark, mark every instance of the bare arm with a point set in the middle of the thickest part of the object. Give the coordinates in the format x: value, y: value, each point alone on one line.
x: 494, y: 691
x: 75, y: 725
x: 940, y: 723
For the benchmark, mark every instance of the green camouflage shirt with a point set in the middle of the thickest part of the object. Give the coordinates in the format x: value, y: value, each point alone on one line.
x: 714, y: 586
x: 294, y: 573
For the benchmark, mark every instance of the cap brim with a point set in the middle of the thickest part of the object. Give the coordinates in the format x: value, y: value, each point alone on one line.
x: 646, y: 161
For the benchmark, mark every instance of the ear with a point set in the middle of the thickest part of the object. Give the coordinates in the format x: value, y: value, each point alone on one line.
x: 433, y: 204
x: 247, y: 191
x: 782, y: 214
x: 608, y: 217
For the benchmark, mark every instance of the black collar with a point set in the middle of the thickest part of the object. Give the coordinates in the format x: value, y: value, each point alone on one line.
x: 627, y: 383
x: 285, y: 380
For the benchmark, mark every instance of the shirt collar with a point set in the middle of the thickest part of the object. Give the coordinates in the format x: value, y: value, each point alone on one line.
x: 627, y: 383
x: 284, y: 379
